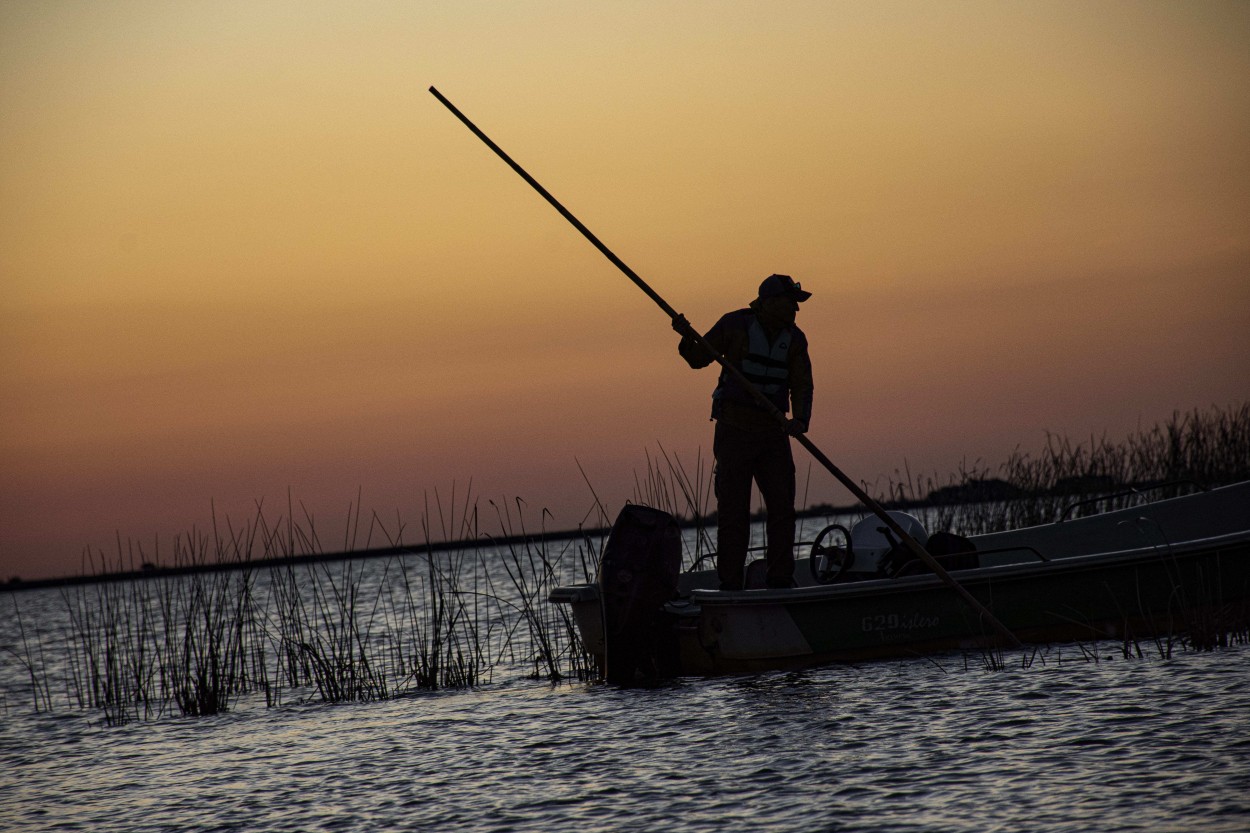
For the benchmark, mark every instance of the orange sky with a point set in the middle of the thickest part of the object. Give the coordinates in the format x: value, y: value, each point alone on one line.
x: 243, y: 250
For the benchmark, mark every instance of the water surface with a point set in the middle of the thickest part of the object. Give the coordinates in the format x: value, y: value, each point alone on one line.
x: 923, y: 745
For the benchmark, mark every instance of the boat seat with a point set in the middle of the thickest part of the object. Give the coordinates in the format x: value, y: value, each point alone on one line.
x: 757, y: 574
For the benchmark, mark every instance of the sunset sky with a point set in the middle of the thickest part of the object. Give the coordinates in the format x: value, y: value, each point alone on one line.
x: 244, y: 253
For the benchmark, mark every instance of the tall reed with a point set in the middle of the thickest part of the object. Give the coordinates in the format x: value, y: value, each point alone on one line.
x: 31, y: 658
x: 1200, y: 448
x: 555, y: 650
x: 666, y: 485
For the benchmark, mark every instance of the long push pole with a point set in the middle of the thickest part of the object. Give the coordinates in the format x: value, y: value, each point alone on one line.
x: 876, y: 508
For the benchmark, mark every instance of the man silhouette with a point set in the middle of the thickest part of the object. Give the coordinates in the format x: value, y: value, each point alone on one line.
x: 750, y: 444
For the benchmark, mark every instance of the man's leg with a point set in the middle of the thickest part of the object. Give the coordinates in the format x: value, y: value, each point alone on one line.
x: 774, y: 471
x: 733, y: 504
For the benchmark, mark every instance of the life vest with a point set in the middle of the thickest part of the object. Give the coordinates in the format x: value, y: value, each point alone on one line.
x: 765, y: 365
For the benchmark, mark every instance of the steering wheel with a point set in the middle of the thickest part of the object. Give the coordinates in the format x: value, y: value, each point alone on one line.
x: 832, y: 554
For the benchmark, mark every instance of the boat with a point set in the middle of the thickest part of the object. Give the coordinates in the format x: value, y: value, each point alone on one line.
x: 1173, y: 566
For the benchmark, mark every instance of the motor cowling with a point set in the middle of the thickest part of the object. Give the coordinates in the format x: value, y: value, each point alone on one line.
x: 878, y: 549
x: 637, y: 575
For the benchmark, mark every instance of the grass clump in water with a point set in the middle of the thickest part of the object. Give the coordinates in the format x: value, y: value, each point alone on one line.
x: 1188, y: 452
x: 262, y: 611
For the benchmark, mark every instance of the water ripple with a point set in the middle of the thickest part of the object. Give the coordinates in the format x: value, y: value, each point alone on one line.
x: 909, y: 746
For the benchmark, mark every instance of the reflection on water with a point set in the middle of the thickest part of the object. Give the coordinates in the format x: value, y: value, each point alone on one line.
x: 1066, y: 744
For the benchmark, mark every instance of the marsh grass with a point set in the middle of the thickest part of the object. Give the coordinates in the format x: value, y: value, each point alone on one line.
x: 667, y: 485
x: 1198, y: 449
x: 31, y: 658
x: 1189, y: 451
x: 452, y: 635
x: 263, y: 613
x: 528, y: 568
x: 138, y: 649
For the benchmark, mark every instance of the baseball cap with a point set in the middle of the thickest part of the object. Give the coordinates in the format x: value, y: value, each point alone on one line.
x: 783, y: 285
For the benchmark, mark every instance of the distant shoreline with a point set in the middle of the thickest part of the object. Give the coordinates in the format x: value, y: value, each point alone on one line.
x: 971, y: 492
x: 159, y: 571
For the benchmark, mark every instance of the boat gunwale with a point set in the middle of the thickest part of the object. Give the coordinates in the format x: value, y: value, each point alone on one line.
x: 572, y: 594
x: 974, y: 576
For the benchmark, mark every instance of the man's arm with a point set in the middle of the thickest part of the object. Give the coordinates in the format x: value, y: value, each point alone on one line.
x: 690, y: 349
x: 800, y: 387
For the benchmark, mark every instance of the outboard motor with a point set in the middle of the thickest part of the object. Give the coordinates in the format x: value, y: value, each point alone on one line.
x: 637, y: 575
x: 878, y: 550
